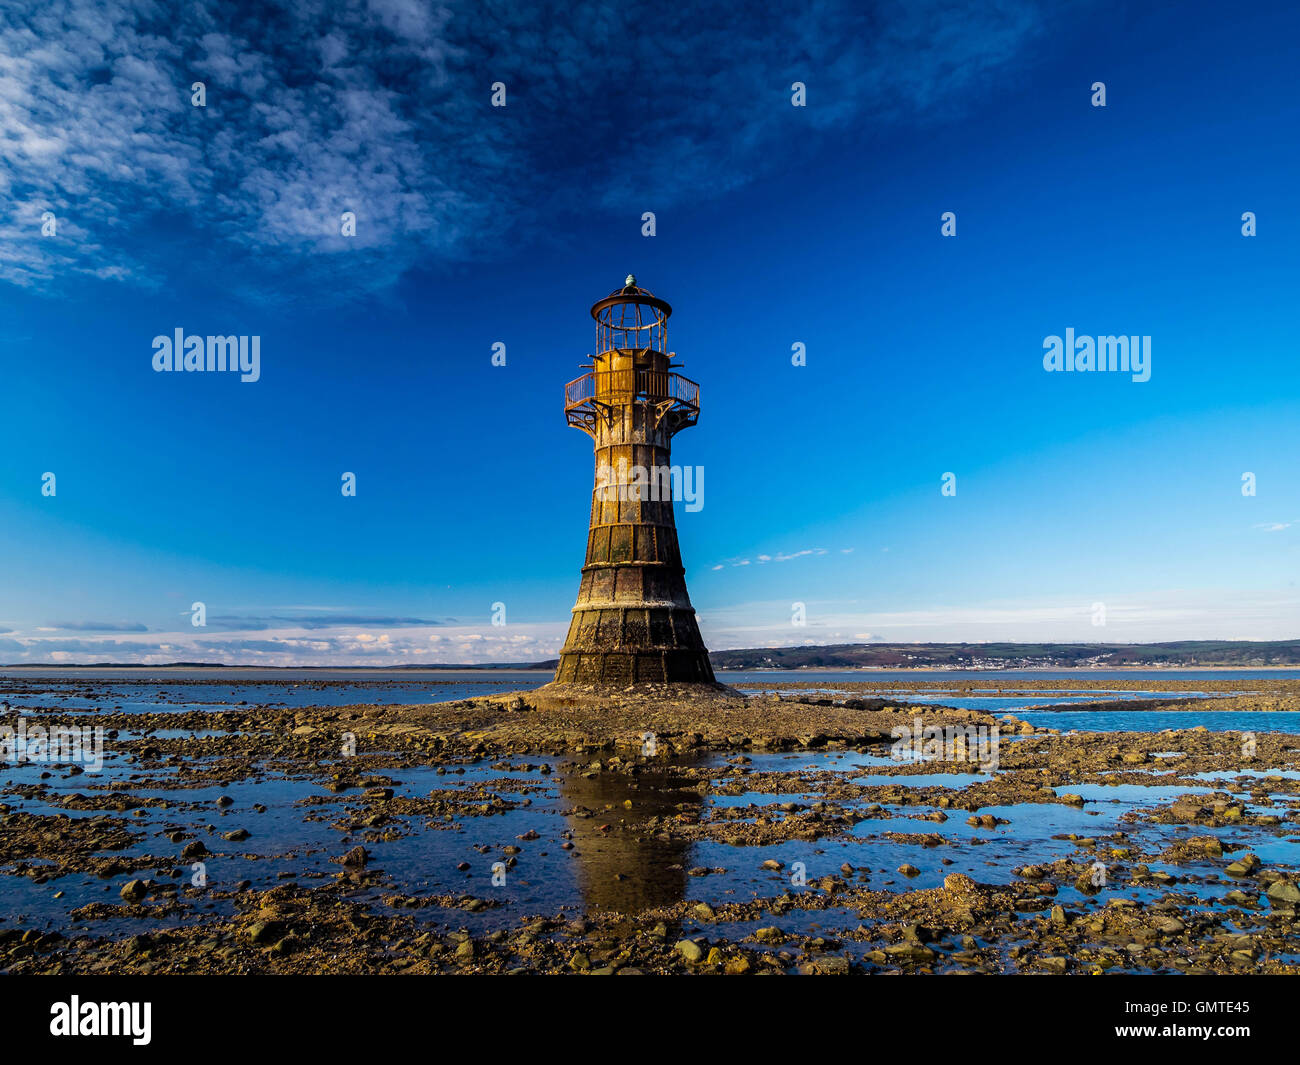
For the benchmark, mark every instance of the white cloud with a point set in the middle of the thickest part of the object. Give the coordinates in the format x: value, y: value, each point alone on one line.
x: 331, y: 646
x: 778, y: 557
x: 1176, y: 615
x: 381, y: 107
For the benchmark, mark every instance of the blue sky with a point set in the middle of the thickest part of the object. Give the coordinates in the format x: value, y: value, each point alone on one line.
x: 775, y: 224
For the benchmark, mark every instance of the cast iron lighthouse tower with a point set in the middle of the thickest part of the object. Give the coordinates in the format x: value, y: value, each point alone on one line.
x: 633, y: 622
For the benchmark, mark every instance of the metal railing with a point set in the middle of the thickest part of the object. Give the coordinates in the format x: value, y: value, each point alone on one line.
x: 579, y: 391
x: 684, y: 390
x: 627, y: 386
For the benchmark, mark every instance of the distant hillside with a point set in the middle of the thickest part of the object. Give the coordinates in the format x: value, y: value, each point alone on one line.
x: 1184, y: 653
x: 463, y: 667
x: 1014, y: 655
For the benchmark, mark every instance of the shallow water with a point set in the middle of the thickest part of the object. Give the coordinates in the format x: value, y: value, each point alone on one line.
x: 625, y: 870
x: 994, y: 704
x: 625, y: 867
x: 93, y: 691
x: 145, y: 689
x: 198, y: 691
x: 1158, y: 720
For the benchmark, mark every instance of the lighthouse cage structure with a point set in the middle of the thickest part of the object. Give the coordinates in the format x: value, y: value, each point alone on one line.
x: 633, y: 622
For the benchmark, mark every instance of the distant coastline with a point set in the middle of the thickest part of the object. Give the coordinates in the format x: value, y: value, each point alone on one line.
x: 862, y: 657
x: 532, y: 667
x: 1180, y: 654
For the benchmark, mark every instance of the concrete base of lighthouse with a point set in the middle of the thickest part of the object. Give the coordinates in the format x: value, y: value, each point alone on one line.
x: 559, y: 695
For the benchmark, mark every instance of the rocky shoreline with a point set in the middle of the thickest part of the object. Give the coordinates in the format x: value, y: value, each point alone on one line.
x: 1196, y: 880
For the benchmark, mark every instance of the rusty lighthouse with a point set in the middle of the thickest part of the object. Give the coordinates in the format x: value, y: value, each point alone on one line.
x: 633, y: 622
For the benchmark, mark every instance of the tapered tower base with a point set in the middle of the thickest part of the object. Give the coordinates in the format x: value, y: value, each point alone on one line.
x: 667, y: 667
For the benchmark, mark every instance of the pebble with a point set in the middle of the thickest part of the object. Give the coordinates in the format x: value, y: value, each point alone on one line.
x: 135, y: 890
x: 689, y: 949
